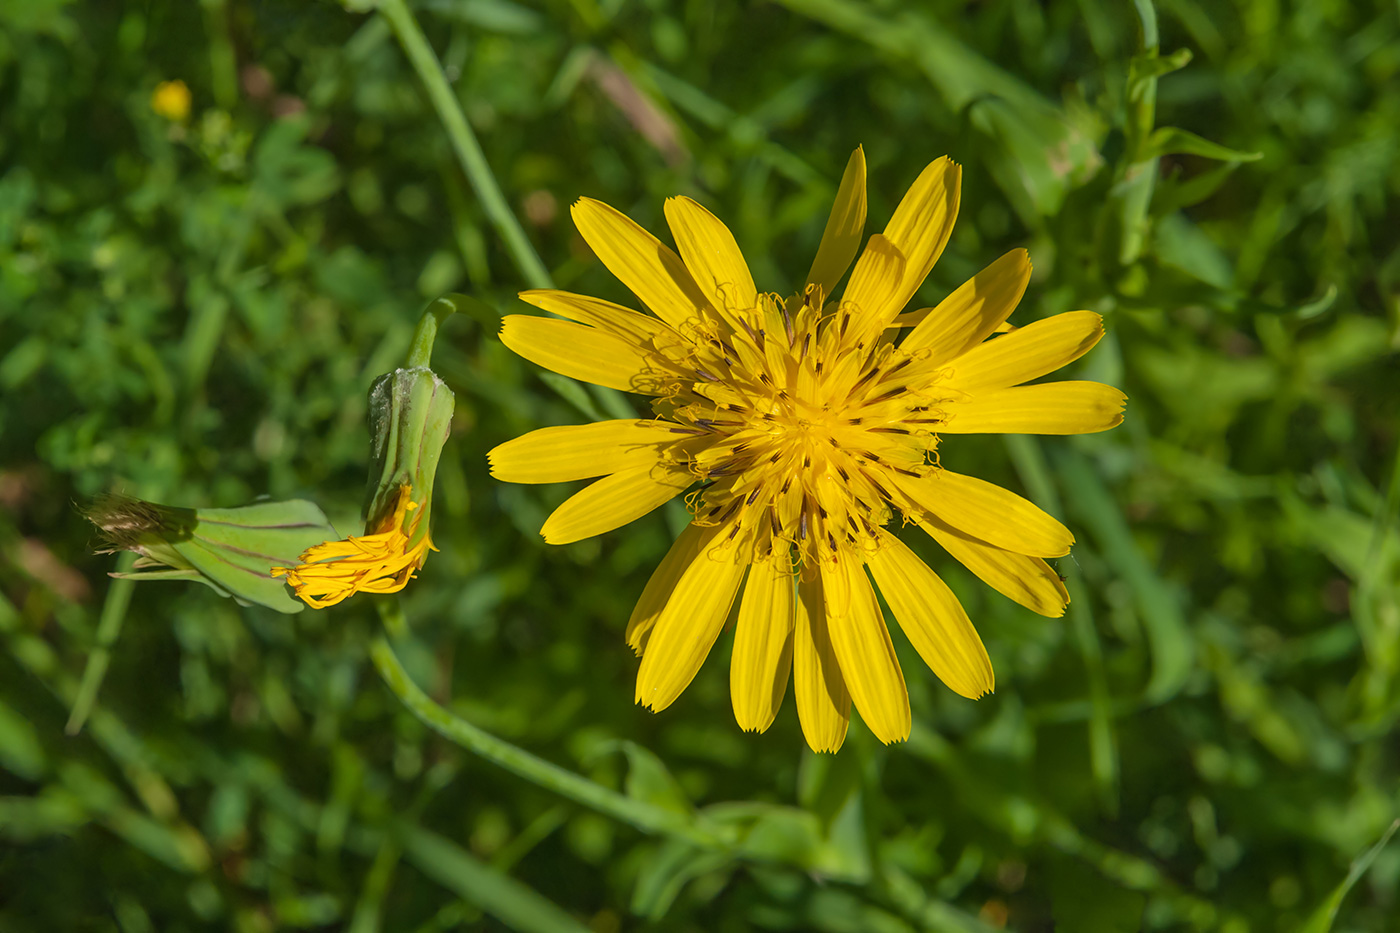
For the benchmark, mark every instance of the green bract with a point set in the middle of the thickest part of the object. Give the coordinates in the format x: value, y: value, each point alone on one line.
x: 410, y: 416
x: 232, y: 551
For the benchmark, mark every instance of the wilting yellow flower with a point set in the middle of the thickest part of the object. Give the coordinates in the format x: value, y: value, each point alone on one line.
x: 410, y: 418
x: 171, y: 99
x: 381, y: 561
x: 806, y: 423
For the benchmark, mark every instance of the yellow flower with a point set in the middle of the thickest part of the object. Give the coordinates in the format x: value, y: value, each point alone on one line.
x: 806, y: 424
x: 381, y: 561
x: 171, y: 99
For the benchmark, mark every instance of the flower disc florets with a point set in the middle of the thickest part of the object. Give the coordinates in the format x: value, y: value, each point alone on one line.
x: 807, y: 420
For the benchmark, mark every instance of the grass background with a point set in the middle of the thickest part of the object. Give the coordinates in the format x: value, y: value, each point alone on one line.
x: 193, y: 311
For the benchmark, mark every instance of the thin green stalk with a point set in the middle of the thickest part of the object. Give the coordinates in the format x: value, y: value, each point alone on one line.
x: 1095, y: 510
x: 516, y: 905
x: 1103, y: 745
x: 420, y: 351
x: 1031, y: 466
x: 464, y: 142
x: 375, y: 887
x: 643, y: 816
x: 223, y: 63
x: 109, y: 626
x: 1034, y: 472
x: 1139, y: 174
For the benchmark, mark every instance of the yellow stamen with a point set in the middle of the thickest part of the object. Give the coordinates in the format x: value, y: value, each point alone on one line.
x: 381, y: 561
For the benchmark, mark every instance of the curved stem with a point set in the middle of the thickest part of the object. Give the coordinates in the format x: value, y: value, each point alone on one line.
x: 420, y: 351
x: 643, y: 816
x: 464, y: 142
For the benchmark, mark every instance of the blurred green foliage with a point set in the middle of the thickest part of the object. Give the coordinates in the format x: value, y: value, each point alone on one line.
x: 192, y: 311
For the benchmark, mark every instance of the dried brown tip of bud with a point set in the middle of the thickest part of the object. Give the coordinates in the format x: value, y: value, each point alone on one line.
x: 126, y: 523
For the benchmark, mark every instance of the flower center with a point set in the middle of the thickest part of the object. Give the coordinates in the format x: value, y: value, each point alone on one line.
x: 808, y: 428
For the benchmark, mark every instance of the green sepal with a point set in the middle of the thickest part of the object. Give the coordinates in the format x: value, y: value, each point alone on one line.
x: 232, y: 551
x: 410, y: 417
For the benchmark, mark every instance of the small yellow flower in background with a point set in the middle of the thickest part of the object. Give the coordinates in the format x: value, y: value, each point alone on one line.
x: 171, y: 100
x: 806, y: 423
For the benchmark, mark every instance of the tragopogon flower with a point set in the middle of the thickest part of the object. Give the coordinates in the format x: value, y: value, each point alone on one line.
x: 805, y: 423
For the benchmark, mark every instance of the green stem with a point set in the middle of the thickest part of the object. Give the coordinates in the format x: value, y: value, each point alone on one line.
x: 223, y: 62
x: 643, y: 816
x: 420, y: 352
x: 1147, y: 19
x: 375, y: 886
x: 109, y: 626
x: 1139, y: 174
x: 464, y: 142
x: 1035, y: 472
x: 1103, y: 745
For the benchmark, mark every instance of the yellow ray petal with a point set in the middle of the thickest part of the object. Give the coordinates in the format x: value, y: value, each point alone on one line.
x: 985, y: 511
x: 585, y: 353
x: 1047, y: 408
x: 614, y: 501
x: 932, y: 618
x: 866, y: 654
x: 1027, y: 580
x: 920, y: 229
x: 686, y: 548
x: 712, y: 256
x: 877, y: 275
x: 1029, y: 353
x: 823, y: 704
x: 974, y: 311
x: 653, y: 272
x: 762, y: 660
x: 688, y: 626
x: 579, y: 451
x: 615, y: 319
x: 841, y: 238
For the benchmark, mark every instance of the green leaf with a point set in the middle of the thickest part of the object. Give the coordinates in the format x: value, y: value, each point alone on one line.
x: 1173, y: 194
x: 664, y: 875
x: 515, y: 904
x: 1323, y: 917
x: 20, y: 751
x: 1318, y: 306
x: 1034, y: 153
x: 779, y: 834
x: 1173, y: 648
x: 572, y: 391
x: 1173, y: 140
x: 289, y: 171
x: 648, y: 780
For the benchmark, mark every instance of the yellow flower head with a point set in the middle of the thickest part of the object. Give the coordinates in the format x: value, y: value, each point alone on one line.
x: 171, y: 100
x: 383, y: 560
x: 805, y: 424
